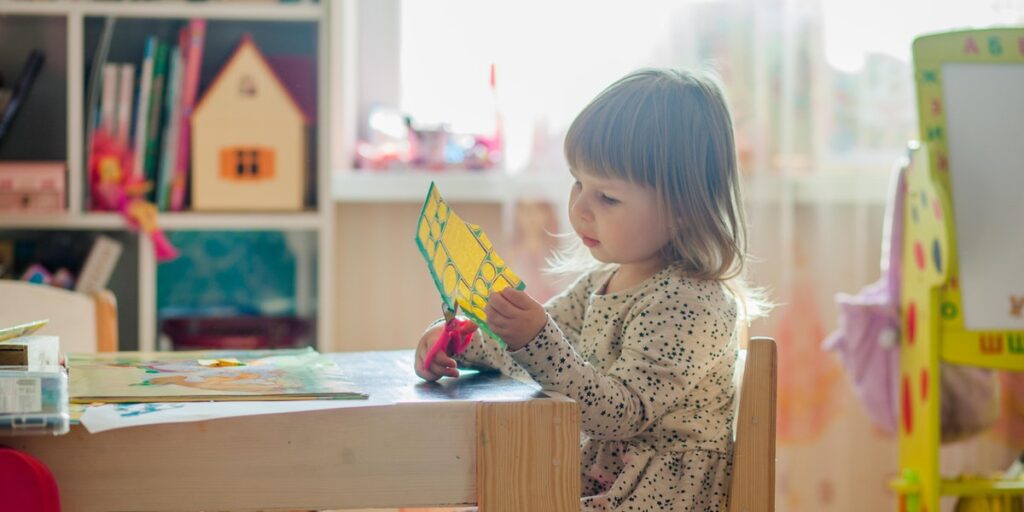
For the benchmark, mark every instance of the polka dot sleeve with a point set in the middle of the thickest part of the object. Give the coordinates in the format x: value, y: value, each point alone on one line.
x: 567, y: 308
x: 669, y: 343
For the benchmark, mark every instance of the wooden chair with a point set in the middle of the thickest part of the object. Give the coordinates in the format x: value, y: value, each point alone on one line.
x: 84, y: 323
x: 753, y: 468
x: 753, y: 459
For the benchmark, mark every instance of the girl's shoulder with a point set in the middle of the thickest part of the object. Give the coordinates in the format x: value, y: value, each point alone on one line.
x: 592, y: 280
x: 674, y: 285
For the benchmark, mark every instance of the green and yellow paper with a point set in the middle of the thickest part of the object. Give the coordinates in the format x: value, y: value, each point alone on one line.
x: 461, y: 259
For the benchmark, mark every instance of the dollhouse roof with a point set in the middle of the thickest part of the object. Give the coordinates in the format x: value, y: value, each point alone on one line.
x: 247, y: 43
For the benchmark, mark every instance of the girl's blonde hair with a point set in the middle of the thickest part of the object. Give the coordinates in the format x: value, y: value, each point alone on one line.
x: 671, y: 130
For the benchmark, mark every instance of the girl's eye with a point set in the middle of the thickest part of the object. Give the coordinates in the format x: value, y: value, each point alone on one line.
x: 608, y: 199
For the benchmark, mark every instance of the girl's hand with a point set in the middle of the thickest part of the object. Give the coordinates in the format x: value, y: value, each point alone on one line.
x: 515, y: 317
x: 442, y: 364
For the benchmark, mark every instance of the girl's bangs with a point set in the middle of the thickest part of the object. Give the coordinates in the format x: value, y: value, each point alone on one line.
x: 615, y: 138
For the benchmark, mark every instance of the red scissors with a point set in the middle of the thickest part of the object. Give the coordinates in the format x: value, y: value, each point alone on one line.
x: 455, y: 337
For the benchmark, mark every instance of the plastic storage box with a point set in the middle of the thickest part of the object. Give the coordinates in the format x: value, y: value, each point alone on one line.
x: 33, y: 401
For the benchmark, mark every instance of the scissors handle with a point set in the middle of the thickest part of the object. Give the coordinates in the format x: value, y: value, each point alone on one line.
x: 453, y: 340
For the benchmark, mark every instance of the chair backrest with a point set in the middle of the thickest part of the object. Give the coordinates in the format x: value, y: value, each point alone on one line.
x: 753, y: 460
x: 84, y: 323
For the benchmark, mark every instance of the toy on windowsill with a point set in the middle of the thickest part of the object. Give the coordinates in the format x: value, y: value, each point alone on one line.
x: 397, y: 141
x: 114, y: 187
x: 392, y: 141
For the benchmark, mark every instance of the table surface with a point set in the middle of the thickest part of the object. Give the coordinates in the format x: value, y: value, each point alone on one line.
x: 389, y: 377
x: 482, y: 438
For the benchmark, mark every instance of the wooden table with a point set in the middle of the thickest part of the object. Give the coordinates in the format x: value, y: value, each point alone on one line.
x: 482, y: 438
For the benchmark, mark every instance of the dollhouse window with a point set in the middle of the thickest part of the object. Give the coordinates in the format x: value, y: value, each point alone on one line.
x: 247, y: 163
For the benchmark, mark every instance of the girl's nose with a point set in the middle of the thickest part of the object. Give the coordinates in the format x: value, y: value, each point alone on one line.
x: 580, y: 208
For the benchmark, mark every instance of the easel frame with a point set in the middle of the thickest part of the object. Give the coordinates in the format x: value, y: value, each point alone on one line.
x: 930, y: 304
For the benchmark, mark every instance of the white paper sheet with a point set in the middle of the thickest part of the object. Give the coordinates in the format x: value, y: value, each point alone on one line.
x: 113, y: 416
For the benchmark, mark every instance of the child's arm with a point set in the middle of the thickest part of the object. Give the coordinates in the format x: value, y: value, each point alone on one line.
x: 481, y: 353
x: 566, y: 309
x: 667, y: 350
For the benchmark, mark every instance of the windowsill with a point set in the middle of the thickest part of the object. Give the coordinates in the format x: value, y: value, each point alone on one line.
x: 456, y: 186
x: 833, y: 188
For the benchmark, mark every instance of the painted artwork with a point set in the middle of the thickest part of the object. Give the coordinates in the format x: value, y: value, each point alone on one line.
x: 461, y: 259
x: 123, y: 377
x: 17, y: 331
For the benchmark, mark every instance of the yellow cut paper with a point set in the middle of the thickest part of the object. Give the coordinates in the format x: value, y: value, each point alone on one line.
x: 220, y: 363
x: 461, y: 259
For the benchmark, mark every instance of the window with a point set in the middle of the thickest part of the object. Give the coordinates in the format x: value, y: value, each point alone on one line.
x: 814, y: 85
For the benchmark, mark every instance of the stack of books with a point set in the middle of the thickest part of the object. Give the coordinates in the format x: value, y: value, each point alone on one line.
x: 149, y: 111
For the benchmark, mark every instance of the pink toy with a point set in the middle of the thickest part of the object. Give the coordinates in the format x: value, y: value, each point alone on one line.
x: 114, y: 187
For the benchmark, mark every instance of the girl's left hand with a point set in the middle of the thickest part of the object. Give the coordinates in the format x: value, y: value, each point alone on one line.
x: 515, y: 317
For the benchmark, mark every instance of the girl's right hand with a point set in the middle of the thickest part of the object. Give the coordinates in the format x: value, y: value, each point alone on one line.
x: 442, y: 365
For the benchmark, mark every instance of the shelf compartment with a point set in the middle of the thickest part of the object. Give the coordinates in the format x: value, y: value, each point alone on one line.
x: 233, y: 275
x: 290, y: 47
x: 56, y: 248
x: 39, y: 129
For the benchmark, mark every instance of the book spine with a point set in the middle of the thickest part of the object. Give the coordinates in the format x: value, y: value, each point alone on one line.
x: 124, y: 108
x: 169, y: 153
x: 192, y: 48
x: 156, y: 105
x: 142, y: 107
x: 108, y: 101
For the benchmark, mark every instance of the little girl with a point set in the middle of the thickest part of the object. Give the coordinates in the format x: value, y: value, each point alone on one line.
x: 645, y: 341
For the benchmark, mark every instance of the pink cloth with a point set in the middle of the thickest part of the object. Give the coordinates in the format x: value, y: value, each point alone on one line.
x: 867, y: 337
x: 867, y: 343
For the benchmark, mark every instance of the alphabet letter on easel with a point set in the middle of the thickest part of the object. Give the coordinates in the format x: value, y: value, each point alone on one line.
x: 1017, y: 306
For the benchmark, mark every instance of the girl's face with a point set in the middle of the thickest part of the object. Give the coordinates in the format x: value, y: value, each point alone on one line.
x: 618, y: 221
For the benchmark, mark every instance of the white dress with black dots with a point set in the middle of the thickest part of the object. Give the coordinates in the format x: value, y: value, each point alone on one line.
x: 651, y: 368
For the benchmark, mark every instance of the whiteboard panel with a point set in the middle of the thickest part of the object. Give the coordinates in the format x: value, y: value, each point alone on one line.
x: 984, y: 107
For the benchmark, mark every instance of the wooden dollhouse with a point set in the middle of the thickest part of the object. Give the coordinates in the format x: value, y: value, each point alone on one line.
x: 249, y: 148
x: 962, y: 286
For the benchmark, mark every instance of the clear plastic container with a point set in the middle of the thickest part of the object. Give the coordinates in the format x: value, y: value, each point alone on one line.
x: 34, y: 402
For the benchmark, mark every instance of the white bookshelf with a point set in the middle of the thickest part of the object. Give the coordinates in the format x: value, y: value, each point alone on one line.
x: 169, y: 9
x: 319, y: 221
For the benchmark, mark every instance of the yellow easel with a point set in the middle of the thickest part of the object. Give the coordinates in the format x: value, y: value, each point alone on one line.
x: 933, y: 327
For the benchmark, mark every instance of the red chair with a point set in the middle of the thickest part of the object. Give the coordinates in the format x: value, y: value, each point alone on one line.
x: 26, y: 484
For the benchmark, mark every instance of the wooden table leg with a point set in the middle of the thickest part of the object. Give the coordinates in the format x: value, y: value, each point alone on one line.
x: 528, y: 456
